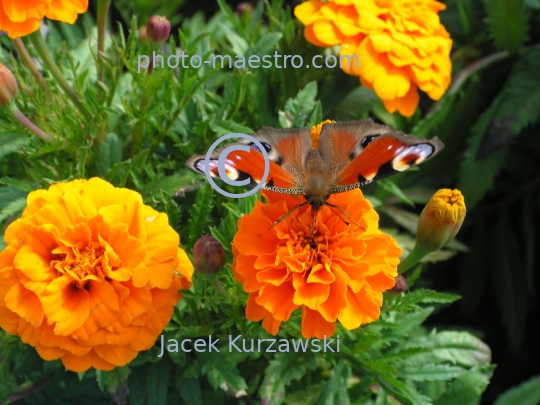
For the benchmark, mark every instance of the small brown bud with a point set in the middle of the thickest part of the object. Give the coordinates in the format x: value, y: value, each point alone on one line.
x: 244, y: 7
x: 209, y: 255
x: 8, y: 86
x: 158, y: 28
x: 400, y: 286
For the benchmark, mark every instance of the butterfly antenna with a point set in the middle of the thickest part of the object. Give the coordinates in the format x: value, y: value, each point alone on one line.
x: 346, y: 215
x: 288, y: 213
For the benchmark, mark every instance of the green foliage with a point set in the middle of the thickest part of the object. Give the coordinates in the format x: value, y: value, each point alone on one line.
x: 145, y: 126
x: 527, y: 393
x: 508, y: 23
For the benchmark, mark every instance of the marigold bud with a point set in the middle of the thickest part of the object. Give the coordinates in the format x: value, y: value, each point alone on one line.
x: 441, y: 219
x: 209, y: 255
x: 243, y: 7
x: 158, y: 28
x: 8, y: 86
x: 400, y: 286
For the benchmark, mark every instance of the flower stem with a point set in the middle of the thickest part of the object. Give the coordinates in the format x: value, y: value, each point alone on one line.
x: 102, y: 9
x: 414, y: 257
x: 46, y: 58
x: 19, y: 116
x: 25, y: 56
x: 212, y: 278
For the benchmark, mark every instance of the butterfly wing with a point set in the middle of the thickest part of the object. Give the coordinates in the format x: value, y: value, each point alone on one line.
x: 285, y: 148
x: 360, y: 152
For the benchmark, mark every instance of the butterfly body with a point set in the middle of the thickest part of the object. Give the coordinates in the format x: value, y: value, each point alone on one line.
x: 346, y: 155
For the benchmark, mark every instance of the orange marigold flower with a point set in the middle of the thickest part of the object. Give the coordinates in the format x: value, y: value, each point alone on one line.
x: 90, y: 274
x: 401, y: 45
x: 19, y: 18
x: 338, y: 273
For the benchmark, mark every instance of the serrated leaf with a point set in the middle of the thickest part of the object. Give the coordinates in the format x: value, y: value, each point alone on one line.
x: 225, y: 127
x: 200, y: 212
x: 110, y: 153
x: 190, y: 390
x: 18, y: 184
x: 514, y: 108
x: 508, y: 23
x: 170, y: 184
x: 265, y: 44
x: 298, y: 109
x: 13, y: 207
x: 281, y: 371
x: 456, y: 348
x: 527, y: 393
x: 334, y: 391
x: 431, y: 372
x: 218, y: 371
x: 157, y: 381
x: 466, y: 389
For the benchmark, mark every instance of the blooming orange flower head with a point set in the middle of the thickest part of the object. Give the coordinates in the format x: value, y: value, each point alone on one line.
x: 19, y: 18
x: 90, y: 274
x: 400, y: 45
x: 441, y: 219
x: 337, y: 272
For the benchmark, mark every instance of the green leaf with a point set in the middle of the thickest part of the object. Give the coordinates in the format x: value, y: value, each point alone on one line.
x: 190, y: 390
x: 284, y: 368
x: 225, y: 127
x: 157, y: 382
x: 219, y: 370
x: 527, y: 393
x: 265, y: 44
x: 13, y: 207
x: 334, y: 391
x: 516, y: 107
x: 10, y: 143
x: 298, y: 110
x: 391, y: 187
x: 456, y: 348
x: 18, y: 184
x: 467, y: 389
x: 198, y: 221
x: 508, y: 23
x: 172, y: 185
x: 432, y: 372
x: 110, y: 153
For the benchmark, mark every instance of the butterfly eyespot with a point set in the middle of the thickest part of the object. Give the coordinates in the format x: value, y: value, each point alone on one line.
x: 264, y: 144
x: 367, y: 140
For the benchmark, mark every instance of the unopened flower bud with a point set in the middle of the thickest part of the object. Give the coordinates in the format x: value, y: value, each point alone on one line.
x: 8, y: 86
x: 441, y: 219
x: 243, y: 7
x: 158, y: 28
x: 209, y: 255
x: 400, y: 286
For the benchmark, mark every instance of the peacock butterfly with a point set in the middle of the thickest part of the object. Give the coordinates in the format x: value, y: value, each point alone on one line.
x: 347, y: 155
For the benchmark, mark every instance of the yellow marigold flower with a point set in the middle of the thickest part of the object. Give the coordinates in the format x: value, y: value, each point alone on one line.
x: 337, y: 273
x: 441, y: 219
x: 90, y: 274
x: 19, y: 18
x: 401, y: 45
